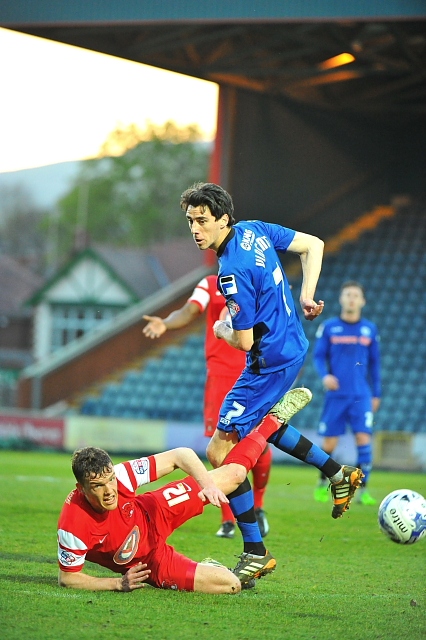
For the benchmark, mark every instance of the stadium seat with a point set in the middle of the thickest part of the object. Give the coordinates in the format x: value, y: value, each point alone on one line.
x: 89, y: 406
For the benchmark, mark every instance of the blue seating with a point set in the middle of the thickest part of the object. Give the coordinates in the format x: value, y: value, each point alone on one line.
x: 89, y: 405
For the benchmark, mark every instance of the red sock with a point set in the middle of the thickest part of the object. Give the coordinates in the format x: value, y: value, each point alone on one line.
x: 268, y: 426
x: 260, y: 473
x: 247, y: 451
x: 227, y: 514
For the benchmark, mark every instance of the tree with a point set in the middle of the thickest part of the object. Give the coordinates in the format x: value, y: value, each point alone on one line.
x: 21, y: 233
x: 130, y: 194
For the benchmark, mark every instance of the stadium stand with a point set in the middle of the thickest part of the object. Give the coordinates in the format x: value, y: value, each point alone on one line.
x: 389, y: 260
x: 169, y: 387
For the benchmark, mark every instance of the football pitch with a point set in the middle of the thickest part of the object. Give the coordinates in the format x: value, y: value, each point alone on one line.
x: 335, y: 578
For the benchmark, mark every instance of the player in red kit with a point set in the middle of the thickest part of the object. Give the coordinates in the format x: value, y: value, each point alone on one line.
x: 105, y: 522
x: 224, y: 366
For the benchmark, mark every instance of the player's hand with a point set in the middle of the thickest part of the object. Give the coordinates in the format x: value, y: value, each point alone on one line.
x: 213, y: 495
x: 219, y: 328
x: 135, y: 577
x: 311, y: 309
x: 330, y: 382
x: 155, y: 327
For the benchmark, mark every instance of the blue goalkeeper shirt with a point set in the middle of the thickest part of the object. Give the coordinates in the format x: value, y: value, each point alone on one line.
x: 349, y: 351
x: 258, y: 295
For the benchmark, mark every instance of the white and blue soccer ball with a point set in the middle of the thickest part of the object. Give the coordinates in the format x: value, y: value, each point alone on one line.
x: 402, y: 516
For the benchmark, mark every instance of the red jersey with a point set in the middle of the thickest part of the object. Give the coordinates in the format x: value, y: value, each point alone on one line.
x: 115, y: 539
x: 221, y: 359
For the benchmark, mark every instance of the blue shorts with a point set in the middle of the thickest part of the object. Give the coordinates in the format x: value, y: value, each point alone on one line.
x: 252, y: 396
x: 341, y: 411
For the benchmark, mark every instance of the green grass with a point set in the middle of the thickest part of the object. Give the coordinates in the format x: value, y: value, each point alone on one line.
x: 335, y: 579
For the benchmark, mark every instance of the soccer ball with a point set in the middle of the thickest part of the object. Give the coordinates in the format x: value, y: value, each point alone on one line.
x: 402, y: 516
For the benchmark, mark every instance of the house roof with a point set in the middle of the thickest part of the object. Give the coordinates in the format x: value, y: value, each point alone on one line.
x: 141, y: 271
x: 147, y: 270
x: 17, y: 283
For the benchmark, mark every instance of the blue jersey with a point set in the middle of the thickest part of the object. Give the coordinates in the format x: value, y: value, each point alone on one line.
x: 258, y: 295
x: 349, y: 351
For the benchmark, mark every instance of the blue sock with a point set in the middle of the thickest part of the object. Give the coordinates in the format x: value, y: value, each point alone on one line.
x: 291, y: 441
x: 365, y: 455
x: 242, y: 504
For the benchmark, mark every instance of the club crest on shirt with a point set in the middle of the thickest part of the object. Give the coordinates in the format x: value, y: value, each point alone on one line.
x: 127, y: 509
x: 233, y: 308
x: 128, y: 549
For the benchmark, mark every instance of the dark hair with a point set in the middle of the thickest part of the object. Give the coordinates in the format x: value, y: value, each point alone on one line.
x: 352, y: 283
x: 212, y: 195
x: 90, y: 462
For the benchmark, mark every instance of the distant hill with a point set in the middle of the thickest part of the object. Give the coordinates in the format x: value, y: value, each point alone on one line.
x: 44, y: 184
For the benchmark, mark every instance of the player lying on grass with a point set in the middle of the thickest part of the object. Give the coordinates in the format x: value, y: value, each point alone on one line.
x: 104, y: 520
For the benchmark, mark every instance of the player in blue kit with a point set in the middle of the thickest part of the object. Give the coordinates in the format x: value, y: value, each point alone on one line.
x: 266, y: 326
x: 347, y: 358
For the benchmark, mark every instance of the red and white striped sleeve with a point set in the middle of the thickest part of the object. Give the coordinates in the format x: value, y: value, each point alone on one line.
x: 201, y: 295
x: 134, y: 473
x: 72, y: 533
x: 71, y: 551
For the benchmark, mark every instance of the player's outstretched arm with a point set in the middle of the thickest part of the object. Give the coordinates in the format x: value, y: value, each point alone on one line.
x: 134, y: 578
x: 176, y: 320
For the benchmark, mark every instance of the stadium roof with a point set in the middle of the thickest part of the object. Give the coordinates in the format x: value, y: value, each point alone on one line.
x: 278, y: 48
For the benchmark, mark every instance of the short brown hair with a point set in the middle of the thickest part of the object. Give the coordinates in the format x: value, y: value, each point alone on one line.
x: 211, y: 195
x: 90, y: 462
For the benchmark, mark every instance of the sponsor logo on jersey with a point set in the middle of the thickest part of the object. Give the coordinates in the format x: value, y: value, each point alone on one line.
x: 67, y: 558
x: 128, y: 549
x: 233, y: 308
x: 140, y: 466
x: 350, y: 340
x: 248, y: 239
x: 228, y: 285
x: 260, y: 246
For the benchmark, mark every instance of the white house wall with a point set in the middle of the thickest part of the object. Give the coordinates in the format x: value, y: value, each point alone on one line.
x: 88, y: 280
x: 42, y: 330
